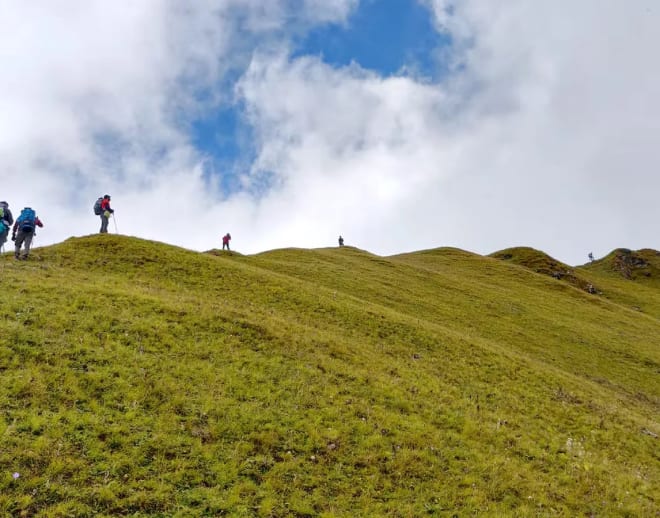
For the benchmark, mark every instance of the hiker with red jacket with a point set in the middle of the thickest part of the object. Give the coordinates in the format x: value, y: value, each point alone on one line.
x: 24, y: 231
x: 225, y: 241
x: 106, y: 211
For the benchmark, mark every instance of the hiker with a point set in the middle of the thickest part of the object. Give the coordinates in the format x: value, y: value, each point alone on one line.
x: 24, y: 231
x: 102, y: 208
x: 6, y: 221
x: 341, y: 241
x: 591, y: 257
x: 225, y: 241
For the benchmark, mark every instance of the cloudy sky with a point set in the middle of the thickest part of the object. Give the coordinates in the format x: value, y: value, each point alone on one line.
x: 400, y: 124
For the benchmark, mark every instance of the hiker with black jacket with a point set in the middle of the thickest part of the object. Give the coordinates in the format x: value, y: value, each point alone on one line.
x: 6, y: 221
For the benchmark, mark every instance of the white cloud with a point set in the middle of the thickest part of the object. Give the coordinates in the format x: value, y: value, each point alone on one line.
x: 544, y: 135
x: 569, y: 86
x: 95, y: 96
x: 349, y: 148
x: 329, y: 10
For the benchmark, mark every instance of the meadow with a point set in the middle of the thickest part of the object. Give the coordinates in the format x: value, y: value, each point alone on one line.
x: 142, y: 379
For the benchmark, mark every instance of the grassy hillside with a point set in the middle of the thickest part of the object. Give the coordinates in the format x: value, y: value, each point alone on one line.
x: 139, y: 378
x: 629, y: 278
x: 637, y: 265
x: 545, y: 265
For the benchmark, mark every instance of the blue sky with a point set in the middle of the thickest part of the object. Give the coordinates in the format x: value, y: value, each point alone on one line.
x: 385, y: 36
x: 525, y: 143
x: 388, y: 37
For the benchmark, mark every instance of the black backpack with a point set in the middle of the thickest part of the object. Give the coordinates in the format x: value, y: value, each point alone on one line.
x: 97, y: 207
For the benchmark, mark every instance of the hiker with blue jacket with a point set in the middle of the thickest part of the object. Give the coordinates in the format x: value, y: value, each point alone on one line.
x: 6, y: 221
x: 24, y: 231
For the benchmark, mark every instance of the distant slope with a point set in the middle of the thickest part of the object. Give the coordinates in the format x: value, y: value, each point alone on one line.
x: 602, y: 277
x: 636, y: 265
x: 542, y: 263
x: 140, y: 378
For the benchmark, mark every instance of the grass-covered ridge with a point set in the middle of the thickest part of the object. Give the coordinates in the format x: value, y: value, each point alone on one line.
x: 609, y: 277
x: 140, y: 378
x: 542, y: 263
x: 637, y: 265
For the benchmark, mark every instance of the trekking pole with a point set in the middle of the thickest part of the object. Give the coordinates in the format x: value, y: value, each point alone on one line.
x: 115, y: 222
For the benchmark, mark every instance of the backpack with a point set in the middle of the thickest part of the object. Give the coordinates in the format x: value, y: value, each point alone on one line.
x: 26, y: 220
x: 97, y: 206
x: 5, y: 214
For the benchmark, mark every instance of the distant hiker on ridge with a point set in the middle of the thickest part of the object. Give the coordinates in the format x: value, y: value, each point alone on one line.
x: 591, y: 257
x: 225, y: 241
x: 6, y: 221
x: 24, y: 231
x: 102, y: 208
x: 341, y: 241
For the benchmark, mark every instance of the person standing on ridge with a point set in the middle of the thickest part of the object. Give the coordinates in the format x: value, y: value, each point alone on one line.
x: 24, y: 231
x: 106, y: 211
x: 341, y: 241
x: 225, y: 241
x: 6, y: 221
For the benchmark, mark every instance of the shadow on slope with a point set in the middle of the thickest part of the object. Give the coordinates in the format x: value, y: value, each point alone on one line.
x: 222, y: 253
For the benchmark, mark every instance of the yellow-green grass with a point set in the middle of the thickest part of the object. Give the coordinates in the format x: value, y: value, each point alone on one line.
x: 542, y: 263
x: 139, y: 378
x: 638, y: 265
x: 609, y: 277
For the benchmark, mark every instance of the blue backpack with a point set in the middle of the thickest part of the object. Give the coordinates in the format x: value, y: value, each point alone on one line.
x: 5, y: 217
x: 26, y: 220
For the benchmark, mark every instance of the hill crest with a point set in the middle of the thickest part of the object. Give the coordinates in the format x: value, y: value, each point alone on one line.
x: 635, y: 265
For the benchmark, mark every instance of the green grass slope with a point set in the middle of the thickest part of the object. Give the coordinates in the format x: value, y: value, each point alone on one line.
x: 610, y: 277
x: 542, y: 263
x: 631, y: 278
x: 639, y: 265
x: 141, y: 379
